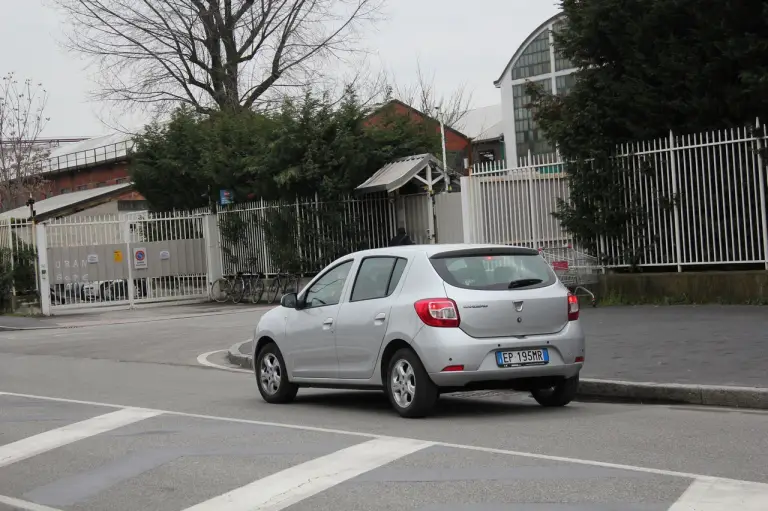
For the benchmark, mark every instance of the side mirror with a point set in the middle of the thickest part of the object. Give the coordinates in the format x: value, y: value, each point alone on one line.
x: 290, y: 301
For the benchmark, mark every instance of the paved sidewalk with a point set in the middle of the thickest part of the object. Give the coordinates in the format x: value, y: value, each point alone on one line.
x: 155, y: 312
x: 705, y: 345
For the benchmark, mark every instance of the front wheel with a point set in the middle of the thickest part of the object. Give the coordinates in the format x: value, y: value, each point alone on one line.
x: 274, y: 290
x: 559, y: 395
x: 272, y: 377
x: 410, y: 390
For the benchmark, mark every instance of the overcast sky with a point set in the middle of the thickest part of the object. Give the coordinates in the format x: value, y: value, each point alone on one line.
x: 460, y: 41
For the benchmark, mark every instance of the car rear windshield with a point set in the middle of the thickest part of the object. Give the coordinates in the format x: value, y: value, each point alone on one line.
x: 494, y: 270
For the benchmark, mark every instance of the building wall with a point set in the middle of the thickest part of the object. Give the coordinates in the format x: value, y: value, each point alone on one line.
x: 92, y: 177
x: 535, y: 61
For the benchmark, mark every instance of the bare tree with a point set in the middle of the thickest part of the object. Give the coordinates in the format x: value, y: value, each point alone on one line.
x: 212, y: 54
x: 423, y: 95
x: 22, y: 119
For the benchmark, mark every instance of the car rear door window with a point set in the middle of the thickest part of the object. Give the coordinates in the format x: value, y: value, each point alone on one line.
x: 376, y: 276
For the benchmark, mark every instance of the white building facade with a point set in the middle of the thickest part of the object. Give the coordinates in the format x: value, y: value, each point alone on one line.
x: 534, y: 61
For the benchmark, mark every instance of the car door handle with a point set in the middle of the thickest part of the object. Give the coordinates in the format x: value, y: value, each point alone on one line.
x: 328, y: 322
x: 380, y: 316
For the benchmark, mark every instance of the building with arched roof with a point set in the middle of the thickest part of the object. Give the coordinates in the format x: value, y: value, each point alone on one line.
x: 536, y: 61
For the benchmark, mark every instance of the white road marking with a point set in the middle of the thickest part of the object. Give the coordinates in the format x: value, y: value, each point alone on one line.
x: 37, y: 444
x: 23, y: 504
x: 299, y: 427
x: 203, y: 360
x: 287, y: 487
x: 714, y: 494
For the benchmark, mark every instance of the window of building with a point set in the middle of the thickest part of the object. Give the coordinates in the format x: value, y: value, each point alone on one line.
x: 82, y: 187
x: 528, y: 136
x: 121, y: 180
x: 487, y: 155
x: 561, y: 62
x: 564, y: 84
x: 535, y: 59
x: 132, y: 205
x: 65, y: 190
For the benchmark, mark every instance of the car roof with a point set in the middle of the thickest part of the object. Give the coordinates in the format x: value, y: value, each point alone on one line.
x: 429, y: 250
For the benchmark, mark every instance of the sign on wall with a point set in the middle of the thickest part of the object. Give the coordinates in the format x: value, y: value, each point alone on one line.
x: 118, y: 256
x: 139, y: 258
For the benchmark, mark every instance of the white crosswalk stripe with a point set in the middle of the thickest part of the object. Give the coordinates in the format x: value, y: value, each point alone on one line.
x: 37, y: 444
x: 713, y: 494
x: 295, y: 484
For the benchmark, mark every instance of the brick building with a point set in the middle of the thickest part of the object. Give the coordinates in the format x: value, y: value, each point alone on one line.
x: 457, y: 144
x: 92, y: 163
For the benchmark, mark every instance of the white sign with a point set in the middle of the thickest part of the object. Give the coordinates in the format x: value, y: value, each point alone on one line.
x: 165, y: 255
x: 93, y: 258
x: 139, y: 258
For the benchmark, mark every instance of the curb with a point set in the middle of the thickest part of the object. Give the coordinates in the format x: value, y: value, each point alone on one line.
x: 129, y: 320
x: 240, y: 359
x: 708, y: 395
x: 627, y: 391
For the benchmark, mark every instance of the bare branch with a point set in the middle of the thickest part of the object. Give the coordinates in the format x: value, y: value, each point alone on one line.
x: 212, y: 54
x: 22, y: 119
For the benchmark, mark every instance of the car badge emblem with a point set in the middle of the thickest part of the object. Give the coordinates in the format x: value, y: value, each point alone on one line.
x: 519, y: 306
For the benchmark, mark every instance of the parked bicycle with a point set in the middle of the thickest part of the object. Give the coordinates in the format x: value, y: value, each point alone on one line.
x: 282, y: 282
x: 238, y: 286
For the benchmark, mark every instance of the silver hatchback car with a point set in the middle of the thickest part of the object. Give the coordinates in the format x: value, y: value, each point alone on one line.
x: 421, y: 320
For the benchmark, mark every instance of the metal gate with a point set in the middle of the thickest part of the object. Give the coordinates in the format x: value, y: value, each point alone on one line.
x: 125, y: 260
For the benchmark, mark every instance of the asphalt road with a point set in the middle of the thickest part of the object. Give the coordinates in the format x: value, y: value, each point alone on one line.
x: 123, y: 417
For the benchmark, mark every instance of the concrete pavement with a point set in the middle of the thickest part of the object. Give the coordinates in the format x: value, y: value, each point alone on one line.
x: 123, y: 417
x: 202, y: 434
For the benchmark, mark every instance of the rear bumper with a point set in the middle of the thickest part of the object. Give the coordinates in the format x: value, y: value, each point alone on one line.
x: 442, y: 347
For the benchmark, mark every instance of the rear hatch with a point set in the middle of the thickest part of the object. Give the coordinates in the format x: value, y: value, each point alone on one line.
x: 503, y: 291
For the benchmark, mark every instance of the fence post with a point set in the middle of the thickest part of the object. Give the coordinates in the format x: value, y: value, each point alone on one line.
x: 761, y: 180
x: 532, y: 206
x: 467, y: 212
x: 129, y: 261
x: 676, y: 202
x: 213, y: 259
x: 42, y: 265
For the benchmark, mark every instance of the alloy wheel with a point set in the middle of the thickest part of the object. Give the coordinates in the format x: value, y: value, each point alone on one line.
x: 403, y: 383
x: 271, y: 373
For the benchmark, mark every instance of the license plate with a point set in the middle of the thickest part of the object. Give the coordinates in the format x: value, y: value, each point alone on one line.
x: 522, y: 358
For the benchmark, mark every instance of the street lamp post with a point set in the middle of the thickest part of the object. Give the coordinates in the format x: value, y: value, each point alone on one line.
x: 445, y: 160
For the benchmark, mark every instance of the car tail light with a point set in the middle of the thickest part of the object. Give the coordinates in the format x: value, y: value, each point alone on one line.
x: 453, y: 369
x: 573, y: 307
x: 438, y: 312
x: 578, y: 359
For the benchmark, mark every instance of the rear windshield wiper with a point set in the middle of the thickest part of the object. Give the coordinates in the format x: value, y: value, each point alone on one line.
x: 523, y: 282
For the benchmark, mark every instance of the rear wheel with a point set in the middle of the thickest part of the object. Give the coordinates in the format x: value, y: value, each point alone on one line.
x: 220, y: 290
x: 409, y: 388
x: 559, y: 395
x: 238, y: 290
x: 272, y: 377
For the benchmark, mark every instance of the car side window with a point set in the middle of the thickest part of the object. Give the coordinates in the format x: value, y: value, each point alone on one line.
x: 377, y: 278
x: 327, y: 289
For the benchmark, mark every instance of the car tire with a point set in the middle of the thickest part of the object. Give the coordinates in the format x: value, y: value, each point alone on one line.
x: 559, y: 395
x: 274, y: 386
x: 409, y: 388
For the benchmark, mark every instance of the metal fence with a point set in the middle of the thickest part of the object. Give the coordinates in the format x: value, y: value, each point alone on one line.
x: 18, y: 259
x: 125, y: 259
x: 704, y: 197
x: 321, y: 232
